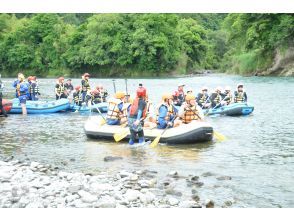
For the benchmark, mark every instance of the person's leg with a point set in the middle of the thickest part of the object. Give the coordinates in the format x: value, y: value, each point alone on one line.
x: 141, y: 136
x: 23, y: 101
x: 132, y: 137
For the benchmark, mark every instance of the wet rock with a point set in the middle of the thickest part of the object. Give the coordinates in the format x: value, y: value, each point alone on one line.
x: 173, y: 201
x: 111, y: 158
x: 34, y: 165
x: 207, y: 174
x: 224, y: 178
x: 87, y: 197
x: 209, y: 203
x: 195, y: 178
x: 65, y: 163
x: 139, y: 172
x: 196, y: 198
x: 146, y: 183
x: 7, y: 159
x: 72, y: 159
x: 171, y: 191
x: 227, y: 204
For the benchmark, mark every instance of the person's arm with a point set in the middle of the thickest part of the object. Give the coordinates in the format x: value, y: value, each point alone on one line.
x: 235, y: 96
x: 245, y: 96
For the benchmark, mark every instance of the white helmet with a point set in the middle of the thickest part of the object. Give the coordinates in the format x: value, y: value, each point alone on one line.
x: 181, y: 84
x: 240, y: 85
x: 227, y: 88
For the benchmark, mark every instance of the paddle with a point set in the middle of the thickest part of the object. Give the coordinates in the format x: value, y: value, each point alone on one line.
x: 156, y: 140
x: 114, y: 87
x: 104, y: 120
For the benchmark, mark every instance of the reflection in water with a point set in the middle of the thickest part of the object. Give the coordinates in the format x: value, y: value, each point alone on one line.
x: 258, y: 153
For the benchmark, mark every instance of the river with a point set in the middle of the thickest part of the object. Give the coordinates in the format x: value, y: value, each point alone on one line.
x: 258, y: 155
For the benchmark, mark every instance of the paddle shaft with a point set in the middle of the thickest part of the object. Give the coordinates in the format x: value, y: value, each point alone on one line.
x: 114, y: 87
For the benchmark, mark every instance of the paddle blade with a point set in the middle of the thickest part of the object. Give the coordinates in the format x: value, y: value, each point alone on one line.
x: 219, y: 136
x: 102, y: 122
x: 119, y: 136
x: 155, y: 141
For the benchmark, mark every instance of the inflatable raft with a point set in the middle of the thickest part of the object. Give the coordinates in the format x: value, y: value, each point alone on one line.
x: 235, y: 109
x: 7, y: 105
x: 41, y: 107
x: 185, y: 134
x: 85, y: 109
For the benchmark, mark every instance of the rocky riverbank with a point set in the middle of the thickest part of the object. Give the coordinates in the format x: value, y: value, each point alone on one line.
x: 35, y: 185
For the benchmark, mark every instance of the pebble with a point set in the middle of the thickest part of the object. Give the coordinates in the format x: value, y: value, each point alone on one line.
x: 124, y: 174
x: 209, y: 203
x: 87, y: 197
x: 173, y: 201
x: 132, y: 195
x: 189, y: 204
x: 111, y: 158
x: 224, y: 178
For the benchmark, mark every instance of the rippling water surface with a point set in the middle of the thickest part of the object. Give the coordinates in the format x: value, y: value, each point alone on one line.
x: 258, y: 155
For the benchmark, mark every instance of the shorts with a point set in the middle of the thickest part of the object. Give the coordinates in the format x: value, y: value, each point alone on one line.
x: 22, y: 99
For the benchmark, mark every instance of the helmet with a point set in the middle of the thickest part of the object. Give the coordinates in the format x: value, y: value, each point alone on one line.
x: 218, y: 89
x: 86, y: 74
x: 141, y: 92
x: 190, y: 97
x: 166, y: 96
x: 181, y: 84
x: 119, y: 95
x: 204, y: 88
x: 30, y: 78
x: 78, y: 87
x: 240, y: 85
x: 227, y: 88
x: 60, y: 79
x: 98, y: 87
x: 95, y: 91
x: 189, y: 89
x: 34, y: 78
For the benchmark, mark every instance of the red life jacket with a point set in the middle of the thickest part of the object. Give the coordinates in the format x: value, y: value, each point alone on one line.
x: 135, y: 107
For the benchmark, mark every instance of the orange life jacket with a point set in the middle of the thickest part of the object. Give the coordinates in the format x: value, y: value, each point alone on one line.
x: 191, y: 113
x: 135, y: 107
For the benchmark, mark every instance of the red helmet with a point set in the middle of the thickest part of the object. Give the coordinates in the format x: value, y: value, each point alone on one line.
x: 141, y: 92
x: 30, y: 78
x: 78, y: 87
x: 60, y: 79
x: 34, y: 77
x: 86, y: 74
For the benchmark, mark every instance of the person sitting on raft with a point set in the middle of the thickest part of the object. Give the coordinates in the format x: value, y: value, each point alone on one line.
x: 128, y: 101
x: 240, y: 95
x: 22, y: 89
x: 60, y: 91
x: 227, y: 96
x: 115, y: 109
x: 179, y: 95
x: 85, y: 86
x: 216, y: 98
x: 102, y: 92
x: 166, y: 112
x: 203, y: 98
x: 189, y: 110
x: 69, y: 86
x: 77, y: 96
x: 150, y: 120
x: 136, y: 116
x: 3, y: 112
x: 34, y: 89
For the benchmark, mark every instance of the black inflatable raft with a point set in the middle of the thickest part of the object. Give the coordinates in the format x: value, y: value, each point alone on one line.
x: 185, y: 134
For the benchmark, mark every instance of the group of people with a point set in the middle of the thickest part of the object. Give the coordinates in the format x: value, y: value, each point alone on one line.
x: 81, y: 93
x: 216, y: 99
x: 174, y: 109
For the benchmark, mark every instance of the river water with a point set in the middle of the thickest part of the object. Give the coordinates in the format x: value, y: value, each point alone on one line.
x: 258, y: 154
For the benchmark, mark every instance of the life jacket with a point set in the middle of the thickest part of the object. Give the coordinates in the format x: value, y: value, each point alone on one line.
x: 190, y: 114
x: 34, y: 89
x: 170, y: 110
x: 203, y: 98
x: 239, y: 97
x: 77, y: 97
x: 96, y: 98
x: 113, y: 110
x: 60, y: 88
x: 85, y: 85
x: 125, y: 110
x: 217, y: 99
x: 228, y: 98
x: 135, y: 107
x: 20, y: 93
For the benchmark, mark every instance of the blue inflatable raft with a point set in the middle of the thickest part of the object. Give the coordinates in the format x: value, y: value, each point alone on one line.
x: 94, y: 108
x: 41, y: 107
x: 235, y: 109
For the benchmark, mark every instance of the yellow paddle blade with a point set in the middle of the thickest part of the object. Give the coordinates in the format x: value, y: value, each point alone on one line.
x: 121, y: 135
x: 219, y: 136
x: 155, y: 141
x: 102, y: 122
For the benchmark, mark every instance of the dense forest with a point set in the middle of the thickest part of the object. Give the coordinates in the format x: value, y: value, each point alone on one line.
x: 117, y: 45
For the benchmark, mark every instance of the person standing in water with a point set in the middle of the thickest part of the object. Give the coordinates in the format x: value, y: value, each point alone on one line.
x: 22, y: 90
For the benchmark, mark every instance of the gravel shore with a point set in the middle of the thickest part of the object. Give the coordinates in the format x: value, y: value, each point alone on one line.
x: 35, y: 185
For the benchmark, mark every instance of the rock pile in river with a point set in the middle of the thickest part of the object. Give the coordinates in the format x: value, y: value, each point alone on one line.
x: 34, y: 185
